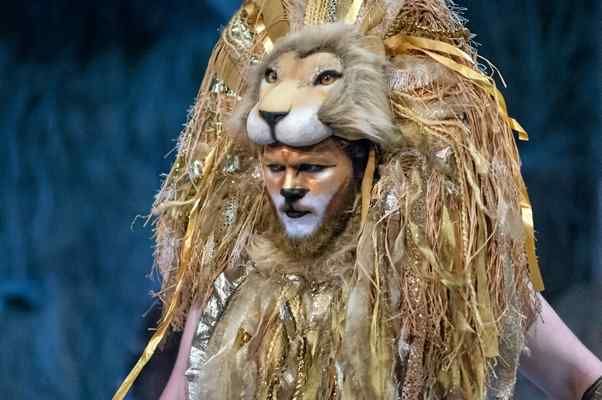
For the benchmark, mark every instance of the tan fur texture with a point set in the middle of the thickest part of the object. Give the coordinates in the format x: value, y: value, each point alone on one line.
x: 357, y: 109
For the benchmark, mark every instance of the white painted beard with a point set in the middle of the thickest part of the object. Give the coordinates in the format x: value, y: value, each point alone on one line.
x: 308, y: 224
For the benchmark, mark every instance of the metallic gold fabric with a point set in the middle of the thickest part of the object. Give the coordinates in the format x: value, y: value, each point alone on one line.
x: 223, y: 289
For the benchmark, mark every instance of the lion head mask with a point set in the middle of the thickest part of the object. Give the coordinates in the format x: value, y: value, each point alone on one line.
x: 319, y: 82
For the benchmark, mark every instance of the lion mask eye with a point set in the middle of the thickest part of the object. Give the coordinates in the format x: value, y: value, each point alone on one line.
x: 270, y: 75
x: 327, y: 77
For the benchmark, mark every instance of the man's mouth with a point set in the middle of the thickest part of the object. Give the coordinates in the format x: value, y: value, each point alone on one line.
x: 292, y: 213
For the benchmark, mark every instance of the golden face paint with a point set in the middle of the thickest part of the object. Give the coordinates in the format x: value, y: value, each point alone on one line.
x: 307, y: 186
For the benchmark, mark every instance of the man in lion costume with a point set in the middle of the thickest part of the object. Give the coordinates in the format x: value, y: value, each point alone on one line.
x: 355, y: 226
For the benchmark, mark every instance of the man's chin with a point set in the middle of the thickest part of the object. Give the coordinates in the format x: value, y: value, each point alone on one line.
x: 303, y: 239
x: 299, y: 226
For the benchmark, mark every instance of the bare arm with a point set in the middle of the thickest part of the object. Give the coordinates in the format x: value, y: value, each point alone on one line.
x: 558, y: 363
x: 176, y: 385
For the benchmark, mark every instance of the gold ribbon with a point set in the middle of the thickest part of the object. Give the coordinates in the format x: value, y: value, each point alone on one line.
x: 373, y: 17
x: 366, y: 187
x: 527, y: 217
x: 401, y: 43
x: 164, y: 324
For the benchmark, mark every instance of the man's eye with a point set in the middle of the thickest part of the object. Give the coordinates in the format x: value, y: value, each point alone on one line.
x: 276, y: 167
x: 311, y: 168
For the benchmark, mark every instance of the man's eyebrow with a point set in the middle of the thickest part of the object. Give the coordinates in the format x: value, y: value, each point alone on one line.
x: 314, y: 159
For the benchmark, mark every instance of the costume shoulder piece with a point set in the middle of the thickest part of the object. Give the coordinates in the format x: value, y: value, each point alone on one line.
x: 443, y: 238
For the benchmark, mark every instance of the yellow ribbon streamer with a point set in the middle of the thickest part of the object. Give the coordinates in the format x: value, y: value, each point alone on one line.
x: 428, y: 44
x: 149, y: 350
x: 373, y: 17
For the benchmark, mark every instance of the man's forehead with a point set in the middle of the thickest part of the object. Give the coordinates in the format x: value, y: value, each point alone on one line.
x: 325, y: 148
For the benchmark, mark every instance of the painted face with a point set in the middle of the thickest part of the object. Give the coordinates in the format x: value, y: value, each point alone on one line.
x: 308, y: 186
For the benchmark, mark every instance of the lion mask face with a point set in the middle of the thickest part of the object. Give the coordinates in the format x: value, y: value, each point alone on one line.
x: 293, y: 90
x: 316, y: 83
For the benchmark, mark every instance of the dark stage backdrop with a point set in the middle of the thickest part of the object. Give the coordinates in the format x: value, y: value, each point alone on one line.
x: 92, y: 98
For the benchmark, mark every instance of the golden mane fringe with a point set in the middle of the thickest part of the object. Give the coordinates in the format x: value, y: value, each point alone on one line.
x: 459, y: 209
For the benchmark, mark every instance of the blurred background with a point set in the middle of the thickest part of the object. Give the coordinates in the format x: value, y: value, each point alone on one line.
x: 92, y: 98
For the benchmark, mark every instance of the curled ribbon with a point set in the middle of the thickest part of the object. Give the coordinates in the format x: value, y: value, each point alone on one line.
x: 352, y: 12
x: 266, y: 19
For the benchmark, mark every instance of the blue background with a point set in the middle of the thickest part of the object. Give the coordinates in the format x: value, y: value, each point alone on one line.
x: 92, y: 98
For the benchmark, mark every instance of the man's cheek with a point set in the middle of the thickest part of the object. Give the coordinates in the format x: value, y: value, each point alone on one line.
x: 318, y: 203
x: 338, y: 199
x: 276, y: 198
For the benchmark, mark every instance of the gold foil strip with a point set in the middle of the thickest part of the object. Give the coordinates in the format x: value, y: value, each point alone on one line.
x: 273, y: 18
x: 341, y: 8
x: 264, y: 20
x: 374, y: 17
x: 429, y: 44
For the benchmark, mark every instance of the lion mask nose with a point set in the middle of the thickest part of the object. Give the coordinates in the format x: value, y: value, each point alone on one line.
x: 272, y: 118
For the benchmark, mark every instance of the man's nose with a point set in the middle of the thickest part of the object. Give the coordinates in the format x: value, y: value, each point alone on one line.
x: 293, y: 194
